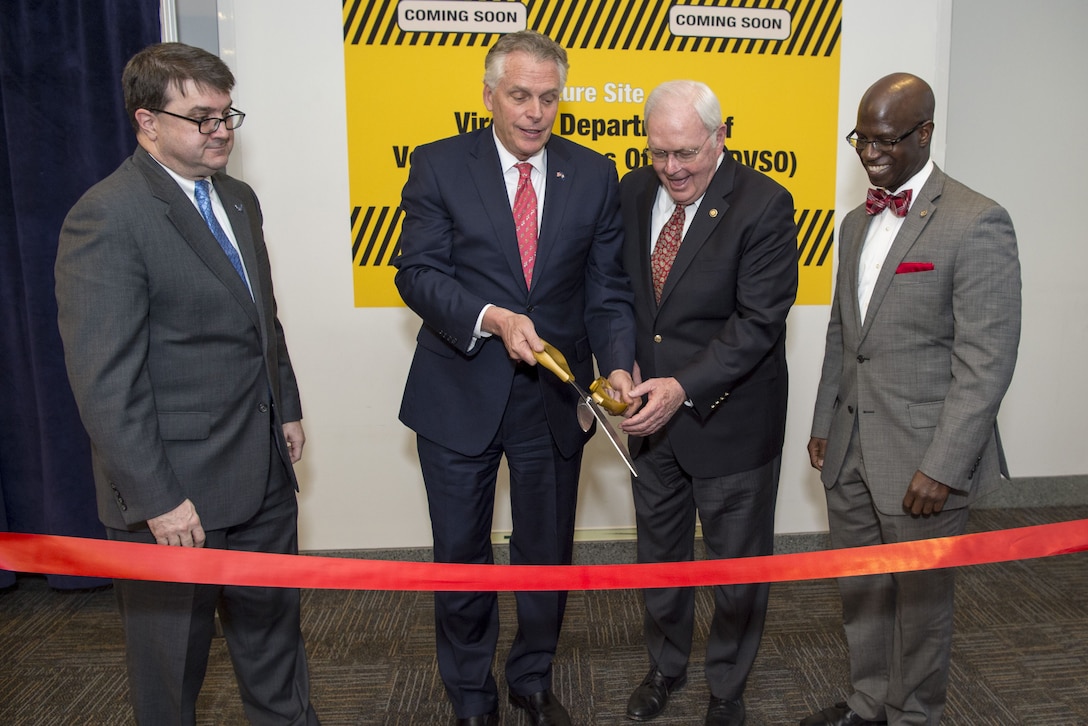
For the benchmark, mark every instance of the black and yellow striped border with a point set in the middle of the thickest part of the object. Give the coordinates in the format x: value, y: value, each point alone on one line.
x: 815, y: 236
x: 613, y: 25
x: 375, y: 235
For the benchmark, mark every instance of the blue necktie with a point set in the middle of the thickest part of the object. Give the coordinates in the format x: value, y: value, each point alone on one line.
x: 204, y: 203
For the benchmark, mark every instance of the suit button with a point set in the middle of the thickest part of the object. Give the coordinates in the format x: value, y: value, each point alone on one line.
x: 861, y: 359
x: 530, y: 309
x: 262, y: 407
x: 657, y: 338
x: 850, y: 409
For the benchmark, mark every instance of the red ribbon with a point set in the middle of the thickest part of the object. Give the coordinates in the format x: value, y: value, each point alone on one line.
x: 124, y: 560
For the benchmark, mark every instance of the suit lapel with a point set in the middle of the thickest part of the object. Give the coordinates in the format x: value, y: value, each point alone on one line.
x: 711, y: 211
x: 558, y: 180
x: 239, y: 217
x: 487, y: 173
x: 185, y: 217
x: 643, y: 280
x: 921, y: 211
x: 851, y: 264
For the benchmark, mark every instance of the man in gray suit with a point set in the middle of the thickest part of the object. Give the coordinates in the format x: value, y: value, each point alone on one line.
x: 181, y: 374
x: 921, y: 347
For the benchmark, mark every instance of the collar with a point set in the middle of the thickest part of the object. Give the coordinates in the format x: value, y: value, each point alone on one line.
x: 664, y: 204
x: 916, y: 182
x: 187, y: 185
x: 508, y: 160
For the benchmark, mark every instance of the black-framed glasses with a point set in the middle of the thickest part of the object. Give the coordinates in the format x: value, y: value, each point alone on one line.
x: 860, y: 142
x: 210, y: 124
x: 682, y: 156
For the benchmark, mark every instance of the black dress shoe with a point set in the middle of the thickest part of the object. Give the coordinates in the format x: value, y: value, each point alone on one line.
x: 721, y: 712
x: 652, y: 695
x: 543, y: 708
x: 488, y: 719
x: 838, y: 715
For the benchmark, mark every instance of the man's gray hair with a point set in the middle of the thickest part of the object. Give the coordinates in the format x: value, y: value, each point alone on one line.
x: 539, y: 47
x: 697, y: 93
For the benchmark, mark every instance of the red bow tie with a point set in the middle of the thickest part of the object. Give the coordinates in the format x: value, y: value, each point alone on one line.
x: 878, y: 199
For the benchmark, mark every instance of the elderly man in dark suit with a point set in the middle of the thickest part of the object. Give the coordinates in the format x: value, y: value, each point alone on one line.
x: 921, y: 347
x: 711, y: 248
x: 510, y: 235
x: 182, y: 378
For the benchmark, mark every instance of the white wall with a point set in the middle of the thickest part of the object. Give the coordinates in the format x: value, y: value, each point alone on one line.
x: 1020, y: 98
x: 361, y: 483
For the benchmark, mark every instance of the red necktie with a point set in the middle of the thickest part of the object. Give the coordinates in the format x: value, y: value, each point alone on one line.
x: 878, y: 199
x: 668, y: 242
x: 525, y: 220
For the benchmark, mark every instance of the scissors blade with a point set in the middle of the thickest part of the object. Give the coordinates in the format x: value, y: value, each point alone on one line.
x: 588, y: 402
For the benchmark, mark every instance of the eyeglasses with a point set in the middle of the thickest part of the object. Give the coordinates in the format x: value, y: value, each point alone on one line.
x: 683, y: 156
x: 860, y: 142
x: 210, y: 124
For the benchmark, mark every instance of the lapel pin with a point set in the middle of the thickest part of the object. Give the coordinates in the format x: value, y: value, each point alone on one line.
x: 713, y: 213
x: 238, y: 207
x: 922, y: 213
x: 560, y: 175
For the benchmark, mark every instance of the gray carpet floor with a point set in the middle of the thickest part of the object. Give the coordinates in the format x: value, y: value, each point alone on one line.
x: 1020, y: 654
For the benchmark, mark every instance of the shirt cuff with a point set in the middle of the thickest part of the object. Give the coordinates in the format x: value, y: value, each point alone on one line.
x: 477, y: 332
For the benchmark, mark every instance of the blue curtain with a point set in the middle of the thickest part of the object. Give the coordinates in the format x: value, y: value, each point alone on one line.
x: 62, y: 128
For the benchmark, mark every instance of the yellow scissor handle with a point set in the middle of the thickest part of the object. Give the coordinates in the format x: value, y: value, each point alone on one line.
x: 599, y: 390
x: 555, y: 362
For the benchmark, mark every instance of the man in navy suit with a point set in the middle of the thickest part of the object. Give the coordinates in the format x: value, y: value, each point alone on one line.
x: 488, y: 290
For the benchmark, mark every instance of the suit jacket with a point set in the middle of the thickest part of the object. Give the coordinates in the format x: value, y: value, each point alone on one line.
x: 178, y: 374
x: 925, y: 374
x: 720, y: 328
x: 459, y: 251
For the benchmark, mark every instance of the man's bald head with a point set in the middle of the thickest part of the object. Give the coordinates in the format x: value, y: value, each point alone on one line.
x: 898, y: 107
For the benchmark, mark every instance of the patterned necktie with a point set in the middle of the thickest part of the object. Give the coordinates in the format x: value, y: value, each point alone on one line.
x: 668, y: 242
x: 204, y: 203
x: 525, y: 220
x: 878, y: 199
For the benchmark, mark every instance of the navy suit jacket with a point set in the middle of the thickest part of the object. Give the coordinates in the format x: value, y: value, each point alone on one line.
x: 459, y: 252
x: 720, y: 328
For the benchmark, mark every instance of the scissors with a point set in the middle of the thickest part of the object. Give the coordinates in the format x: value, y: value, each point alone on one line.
x: 590, y: 402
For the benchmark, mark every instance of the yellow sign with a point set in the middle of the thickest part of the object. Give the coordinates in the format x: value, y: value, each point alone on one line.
x: 774, y: 66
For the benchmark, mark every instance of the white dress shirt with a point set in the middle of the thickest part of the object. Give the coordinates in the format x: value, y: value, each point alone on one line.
x: 664, y: 205
x: 883, y: 228
x: 189, y: 187
x: 510, y: 174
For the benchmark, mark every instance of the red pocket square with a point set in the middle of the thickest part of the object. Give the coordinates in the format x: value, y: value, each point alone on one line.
x: 905, y: 267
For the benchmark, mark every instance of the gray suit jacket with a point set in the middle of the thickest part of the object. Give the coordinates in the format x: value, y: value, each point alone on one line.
x: 178, y: 374
x: 925, y: 375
